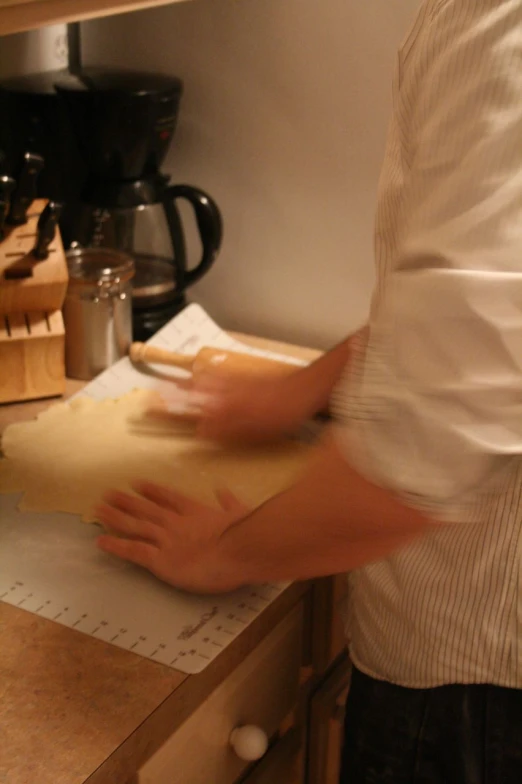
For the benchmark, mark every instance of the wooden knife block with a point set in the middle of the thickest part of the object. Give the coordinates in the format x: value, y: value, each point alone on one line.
x: 32, y: 335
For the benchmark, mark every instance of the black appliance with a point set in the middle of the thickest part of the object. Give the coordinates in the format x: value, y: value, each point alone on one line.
x: 104, y: 148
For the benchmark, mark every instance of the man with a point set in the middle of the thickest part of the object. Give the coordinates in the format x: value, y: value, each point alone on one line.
x: 415, y: 489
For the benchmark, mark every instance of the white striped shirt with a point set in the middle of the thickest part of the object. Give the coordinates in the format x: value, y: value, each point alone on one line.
x: 431, y: 405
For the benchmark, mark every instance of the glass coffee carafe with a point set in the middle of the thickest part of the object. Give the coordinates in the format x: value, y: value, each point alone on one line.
x: 143, y: 220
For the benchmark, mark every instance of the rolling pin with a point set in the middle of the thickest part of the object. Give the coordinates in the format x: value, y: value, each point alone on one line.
x: 208, y: 358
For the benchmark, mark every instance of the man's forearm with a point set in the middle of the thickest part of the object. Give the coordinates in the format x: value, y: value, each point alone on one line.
x: 332, y: 520
x: 320, y: 377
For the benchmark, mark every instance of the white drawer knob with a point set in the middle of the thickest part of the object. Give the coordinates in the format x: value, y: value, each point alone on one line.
x: 249, y: 742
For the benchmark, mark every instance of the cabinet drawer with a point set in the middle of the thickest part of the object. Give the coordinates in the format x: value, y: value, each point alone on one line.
x: 262, y: 690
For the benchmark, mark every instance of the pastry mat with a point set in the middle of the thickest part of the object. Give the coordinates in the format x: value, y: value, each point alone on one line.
x: 50, y: 566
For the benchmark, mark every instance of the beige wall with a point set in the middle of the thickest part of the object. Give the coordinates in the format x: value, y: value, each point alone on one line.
x: 283, y: 121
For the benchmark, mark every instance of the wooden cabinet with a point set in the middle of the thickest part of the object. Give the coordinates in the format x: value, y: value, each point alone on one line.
x: 299, y: 707
x: 16, y: 16
x: 261, y: 691
x: 327, y: 725
x: 328, y: 639
x: 332, y: 668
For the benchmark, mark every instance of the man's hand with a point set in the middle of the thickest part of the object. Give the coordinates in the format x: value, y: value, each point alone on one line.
x: 234, y: 407
x: 171, y: 535
x: 242, y: 408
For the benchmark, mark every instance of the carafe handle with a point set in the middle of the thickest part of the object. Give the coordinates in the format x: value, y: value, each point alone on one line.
x: 210, y: 227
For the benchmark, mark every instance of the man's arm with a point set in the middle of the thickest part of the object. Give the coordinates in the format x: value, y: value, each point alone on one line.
x: 316, y: 381
x: 331, y: 521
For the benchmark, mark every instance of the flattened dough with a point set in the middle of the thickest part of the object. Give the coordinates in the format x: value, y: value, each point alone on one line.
x: 67, y: 458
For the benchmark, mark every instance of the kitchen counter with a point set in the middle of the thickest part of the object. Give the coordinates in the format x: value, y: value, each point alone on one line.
x: 74, y: 709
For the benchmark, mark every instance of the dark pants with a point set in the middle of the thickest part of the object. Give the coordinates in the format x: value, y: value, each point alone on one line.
x: 447, y: 735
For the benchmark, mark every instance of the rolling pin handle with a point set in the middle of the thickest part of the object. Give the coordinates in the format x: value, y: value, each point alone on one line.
x: 137, y: 351
x: 144, y: 352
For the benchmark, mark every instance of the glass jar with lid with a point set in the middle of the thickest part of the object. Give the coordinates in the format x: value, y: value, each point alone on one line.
x: 97, y: 310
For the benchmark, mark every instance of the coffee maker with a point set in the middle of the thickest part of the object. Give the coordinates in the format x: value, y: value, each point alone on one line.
x: 117, y: 127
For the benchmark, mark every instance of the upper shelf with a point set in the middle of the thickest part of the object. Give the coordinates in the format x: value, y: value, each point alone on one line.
x: 17, y: 16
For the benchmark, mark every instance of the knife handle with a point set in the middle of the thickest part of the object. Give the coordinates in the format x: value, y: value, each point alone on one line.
x: 46, y: 229
x: 25, y: 191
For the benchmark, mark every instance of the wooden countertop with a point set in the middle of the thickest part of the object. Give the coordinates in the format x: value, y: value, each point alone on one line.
x: 75, y: 710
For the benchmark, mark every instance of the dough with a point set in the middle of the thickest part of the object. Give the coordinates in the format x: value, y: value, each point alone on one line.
x: 66, y: 459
